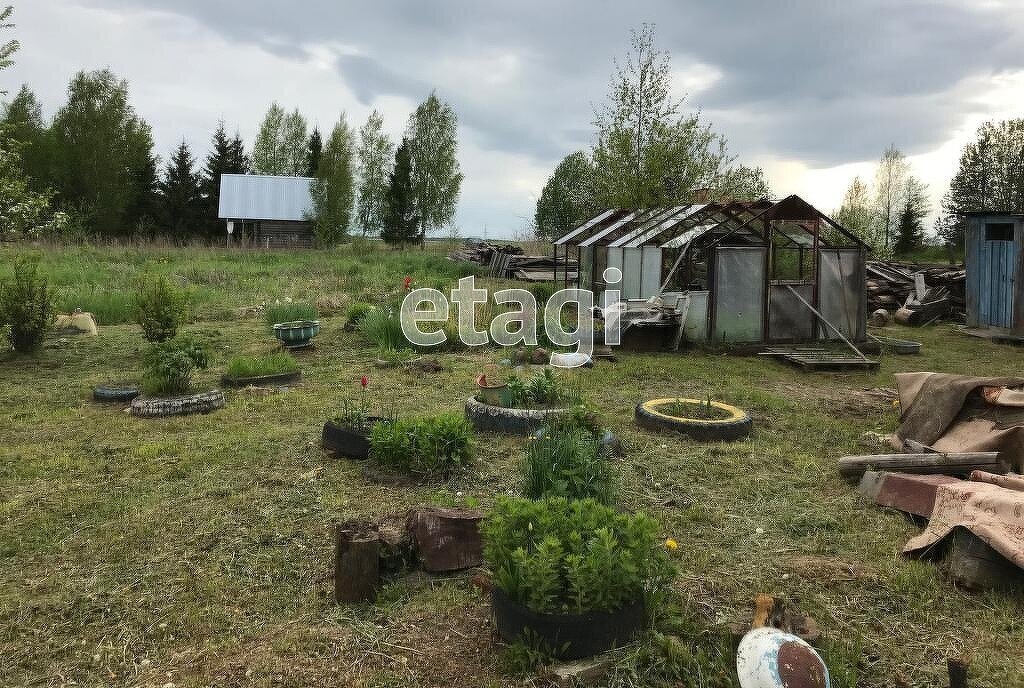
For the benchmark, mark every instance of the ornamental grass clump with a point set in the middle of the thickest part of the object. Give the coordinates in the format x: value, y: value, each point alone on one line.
x: 560, y: 556
x: 433, y: 446
x: 382, y: 327
x: 568, y: 461
x: 169, y: 365
x: 289, y: 311
x: 260, y: 366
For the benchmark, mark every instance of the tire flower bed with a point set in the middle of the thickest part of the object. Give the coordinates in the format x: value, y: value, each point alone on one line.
x: 168, y: 378
x: 520, y: 406
x: 700, y: 419
x: 577, y: 577
x: 279, y: 368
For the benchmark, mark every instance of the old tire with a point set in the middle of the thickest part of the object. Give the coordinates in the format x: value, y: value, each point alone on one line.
x: 488, y: 418
x: 120, y: 392
x: 736, y: 426
x: 203, y: 402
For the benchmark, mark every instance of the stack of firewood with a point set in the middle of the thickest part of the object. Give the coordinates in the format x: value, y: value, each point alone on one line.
x: 897, y: 287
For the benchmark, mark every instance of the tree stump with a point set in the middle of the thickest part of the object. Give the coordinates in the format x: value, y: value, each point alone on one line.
x: 356, y: 564
x: 446, y: 539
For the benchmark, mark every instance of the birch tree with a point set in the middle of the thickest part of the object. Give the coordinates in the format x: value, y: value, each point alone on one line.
x: 375, y: 153
x: 436, y: 178
x: 333, y: 189
x: 890, y: 191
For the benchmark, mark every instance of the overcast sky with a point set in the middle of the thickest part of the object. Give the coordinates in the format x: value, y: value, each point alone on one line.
x: 811, y: 90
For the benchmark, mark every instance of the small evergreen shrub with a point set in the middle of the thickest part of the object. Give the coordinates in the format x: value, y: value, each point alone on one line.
x: 168, y: 365
x: 159, y: 309
x: 25, y: 307
x: 438, y: 445
x: 290, y: 312
x: 257, y: 366
x: 568, y: 462
x: 560, y: 556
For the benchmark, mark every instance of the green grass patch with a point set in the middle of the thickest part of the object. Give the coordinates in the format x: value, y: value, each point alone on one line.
x: 258, y: 366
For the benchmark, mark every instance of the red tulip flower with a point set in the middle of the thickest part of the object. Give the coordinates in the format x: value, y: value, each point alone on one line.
x: 407, y: 283
x: 364, y: 381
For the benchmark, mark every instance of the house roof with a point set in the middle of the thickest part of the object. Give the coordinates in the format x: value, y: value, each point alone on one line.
x: 264, y: 197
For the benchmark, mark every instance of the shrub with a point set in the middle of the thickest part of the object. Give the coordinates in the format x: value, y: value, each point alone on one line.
x: 257, y: 366
x: 25, y: 307
x: 159, y: 309
x: 542, y: 390
x: 169, y: 365
x: 568, y: 462
x: 559, y: 556
x: 290, y: 312
x: 356, y: 311
x: 426, y: 446
x: 542, y: 291
x: 381, y: 327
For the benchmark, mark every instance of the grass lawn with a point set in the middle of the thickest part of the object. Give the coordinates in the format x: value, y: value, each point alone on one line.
x: 197, y: 551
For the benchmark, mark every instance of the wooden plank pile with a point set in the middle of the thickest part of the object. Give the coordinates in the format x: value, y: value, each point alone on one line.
x: 509, y: 262
x: 919, y: 294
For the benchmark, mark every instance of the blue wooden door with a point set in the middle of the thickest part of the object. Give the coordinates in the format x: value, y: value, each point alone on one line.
x: 998, y: 259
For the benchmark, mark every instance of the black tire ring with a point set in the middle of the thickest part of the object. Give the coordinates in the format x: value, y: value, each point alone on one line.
x: 262, y: 380
x: 722, y: 431
x: 115, y: 392
x: 487, y: 418
x: 203, y: 402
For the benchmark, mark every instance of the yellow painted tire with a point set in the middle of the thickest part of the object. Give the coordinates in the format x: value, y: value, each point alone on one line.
x: 735, y: 426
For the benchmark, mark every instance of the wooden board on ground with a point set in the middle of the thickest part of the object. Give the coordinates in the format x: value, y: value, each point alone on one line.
x: 853, y: 467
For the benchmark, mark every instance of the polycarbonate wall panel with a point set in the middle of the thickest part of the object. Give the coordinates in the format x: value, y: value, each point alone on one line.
x: 739, y: 294
x: 788, y: 319
x: 842, y: 297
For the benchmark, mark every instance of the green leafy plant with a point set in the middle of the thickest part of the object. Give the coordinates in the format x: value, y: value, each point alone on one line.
x: 437, y: 445
x: 355, y: 312
x: 542, y: 291
x: 288, y: 311
x: 169, y: 365
x: 704, y: 410
x: 258, y: 366
x: 25, y: 307
x: 558, y: 556
x: 159, y: 309
x: 568, y: 462
x: 542, y: 390
x: 382, y: 327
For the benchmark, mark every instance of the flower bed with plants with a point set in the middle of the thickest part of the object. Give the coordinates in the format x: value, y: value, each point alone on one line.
x: 294, y: 324
x: 569, y: 459
x: 701, y: 419
x: 348, y: 433
x: 167, y: 380
x: 520, y: 406
x: 277, y: 368
x: 573, y: 576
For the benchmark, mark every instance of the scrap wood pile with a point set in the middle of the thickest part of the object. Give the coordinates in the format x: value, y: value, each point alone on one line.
x: 918, y: 294
x: 509, y: 262
x: 961, y: 452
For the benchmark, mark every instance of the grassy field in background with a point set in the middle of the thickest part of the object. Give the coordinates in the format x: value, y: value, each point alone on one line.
x: 196, y: 551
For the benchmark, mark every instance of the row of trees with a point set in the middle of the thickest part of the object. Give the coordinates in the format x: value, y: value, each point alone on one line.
x: 888, y: 215
x: 398, y: 193
x: 91, y: 169
x: 648, y: 151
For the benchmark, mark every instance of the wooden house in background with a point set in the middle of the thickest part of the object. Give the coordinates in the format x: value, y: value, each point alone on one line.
x: 266, y: 211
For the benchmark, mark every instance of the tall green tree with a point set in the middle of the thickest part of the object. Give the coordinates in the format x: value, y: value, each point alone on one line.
x: 436, y: 179
x: 990, y: 177
x: 741, y: 183
x: 23, y: 123
x: 401, y: 226
x: 226, y: 156
x: 648, y: 151
x: 8, y: 48
x: 103, y: 155
x: 280, y: 146
x: 238, y: 160
x: 314, y: 152
x: 890, y: 186
x: 374, y: 154
x: 857, y: 214
x: 910, y: 226
x: 180, y: 196
x: 333, y: 189
x: 567, y: 199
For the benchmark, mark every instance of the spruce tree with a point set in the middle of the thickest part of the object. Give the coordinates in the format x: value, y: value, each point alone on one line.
x: 218, y: 162
x: 909, y: 227
x: 240, y: 163
x: 180, y: 196
x: 402, y: 222
x: 314, y: 152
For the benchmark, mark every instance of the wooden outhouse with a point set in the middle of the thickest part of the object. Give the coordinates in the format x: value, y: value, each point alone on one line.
x: 995, y: 276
